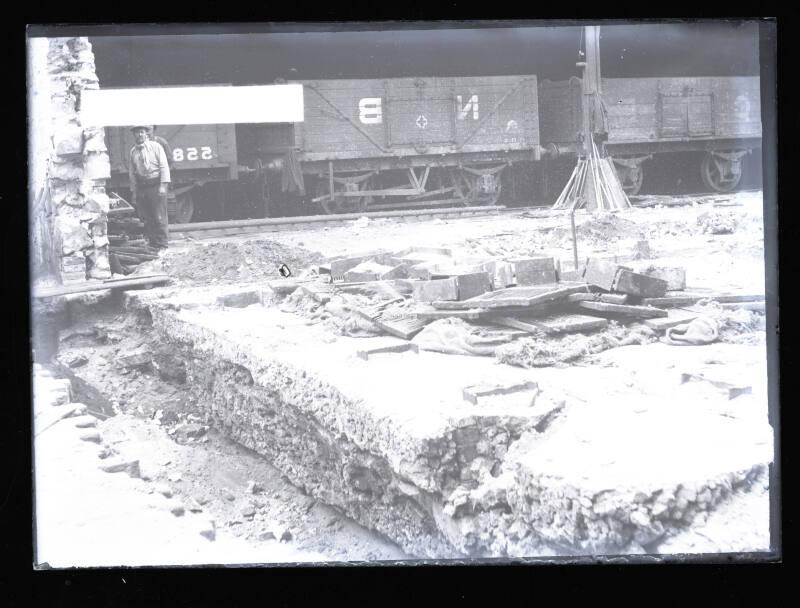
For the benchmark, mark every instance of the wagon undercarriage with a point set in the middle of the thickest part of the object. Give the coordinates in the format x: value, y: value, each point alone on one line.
x: 353, y: 191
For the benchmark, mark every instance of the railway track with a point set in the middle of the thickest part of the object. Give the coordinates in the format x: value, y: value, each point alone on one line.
x: 202, y: 230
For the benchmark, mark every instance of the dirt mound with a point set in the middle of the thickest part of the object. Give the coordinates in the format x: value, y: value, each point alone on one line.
x: 232, y: 262
x: 601, y: 228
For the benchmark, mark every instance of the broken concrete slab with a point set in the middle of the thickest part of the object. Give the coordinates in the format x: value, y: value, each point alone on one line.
x: 534, y: 271
x: 687, y: 299
x: 554, y: 324
x: 611, y: 298
x: 475, y: 392
x: 405, y: 326
x: 438, y: 290
x: 472, y: 314
x: 640, y: 312
x: 515, y: 297
x: 673, y: 319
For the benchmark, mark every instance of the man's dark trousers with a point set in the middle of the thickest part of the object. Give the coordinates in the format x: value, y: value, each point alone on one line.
x: 152, y: 208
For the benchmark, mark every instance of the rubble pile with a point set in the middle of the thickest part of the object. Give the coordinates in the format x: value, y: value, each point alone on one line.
x: 529, y: 311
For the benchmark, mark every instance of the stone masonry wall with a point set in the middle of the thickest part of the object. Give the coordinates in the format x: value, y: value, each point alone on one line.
x: 68, y: 159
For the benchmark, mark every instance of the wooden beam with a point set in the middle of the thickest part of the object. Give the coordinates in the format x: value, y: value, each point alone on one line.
x: 88, y: 286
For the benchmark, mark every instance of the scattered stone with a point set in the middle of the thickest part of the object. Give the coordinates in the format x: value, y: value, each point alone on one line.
x: 188, y: 431
x: 174, y: 476
x: 92, y: 436
x: 76, y: 361
x: 106, y: 452
x: 117, y: 466
x: 228, y: 495
x: 85, y: 422
x: 266, y: 535
x: 248, y: 511
x: 208, y: 529
x: 139, y: 358
x: 201, y: 499
x: 164, y: 490
x: 177, y: 509
x: 254, y: 488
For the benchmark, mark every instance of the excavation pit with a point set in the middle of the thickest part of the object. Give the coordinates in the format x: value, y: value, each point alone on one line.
x: 607, y: 457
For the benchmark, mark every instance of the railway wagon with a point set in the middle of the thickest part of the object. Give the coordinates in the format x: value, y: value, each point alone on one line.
x: 717, y: 119
x: 363, y: 144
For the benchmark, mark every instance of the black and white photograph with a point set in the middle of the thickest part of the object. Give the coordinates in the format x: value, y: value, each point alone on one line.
x: 424, y: 292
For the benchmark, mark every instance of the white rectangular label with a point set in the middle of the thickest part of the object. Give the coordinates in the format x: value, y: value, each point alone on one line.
x: 192, y: 105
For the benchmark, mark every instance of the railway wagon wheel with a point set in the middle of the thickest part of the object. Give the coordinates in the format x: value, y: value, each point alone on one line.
x: 721, y: 172
x: 184, y: 208
x: 478, y: 187
x: 631, y: 179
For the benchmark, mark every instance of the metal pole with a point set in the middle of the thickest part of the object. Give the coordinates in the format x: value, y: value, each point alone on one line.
x: 574, y: 237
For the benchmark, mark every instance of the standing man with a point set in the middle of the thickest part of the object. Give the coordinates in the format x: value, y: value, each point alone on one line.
x: 149, y: 178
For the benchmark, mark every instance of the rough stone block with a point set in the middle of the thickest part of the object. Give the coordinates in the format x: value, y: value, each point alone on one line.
x: 66, y: 171
x: 97, y: 202
x: 355, y: 276
x: 474, y: 284
x: 74, y: 235
x: 436, y: 291
x: 398, y: 272
x: 675, y: 276
x: 68, y: 140
x: 97, y: 166
x: 422, y: 271
x: 635, y: 284
x: 535, y: 271
x: 94, y: 140
x: 601, y: 273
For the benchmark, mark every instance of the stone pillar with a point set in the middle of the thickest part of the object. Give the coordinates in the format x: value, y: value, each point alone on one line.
x: 74, y: 157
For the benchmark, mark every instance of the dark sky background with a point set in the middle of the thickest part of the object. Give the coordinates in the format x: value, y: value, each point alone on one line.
x: 675, y: 49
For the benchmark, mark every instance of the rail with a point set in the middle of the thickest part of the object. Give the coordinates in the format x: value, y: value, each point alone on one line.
x: 233, y: 227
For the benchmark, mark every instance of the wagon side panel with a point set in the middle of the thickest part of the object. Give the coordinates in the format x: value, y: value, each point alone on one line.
x: 344, y: 119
